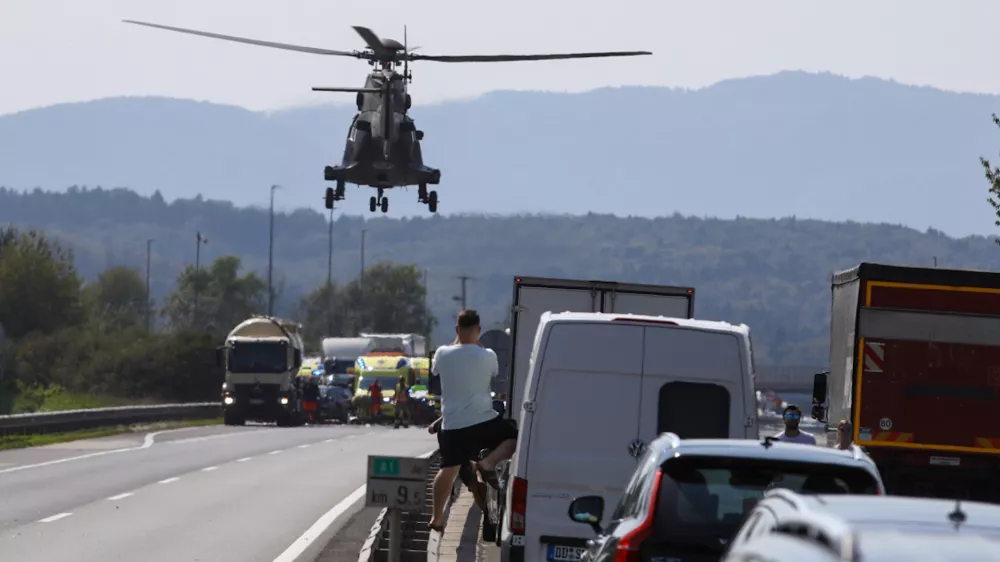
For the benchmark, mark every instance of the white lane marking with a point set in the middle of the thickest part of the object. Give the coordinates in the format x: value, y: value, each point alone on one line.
x: 328, y: 440
x: 274, y: 452
x: 244, y: 459
x: 209, y: 469
x: 54, y: 517
x: 324, y: 522
x: 146, y: 443
x: 303, y: 446
x: 120, y: 496
x: 169, y: 480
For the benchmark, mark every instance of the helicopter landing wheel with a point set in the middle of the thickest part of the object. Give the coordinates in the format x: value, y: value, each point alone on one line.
x: 339, y: 194
x: 372, y: 204
x: 432, y: 202
x: 385, y: 204
x: 329, y: 198
x: 422, y: 193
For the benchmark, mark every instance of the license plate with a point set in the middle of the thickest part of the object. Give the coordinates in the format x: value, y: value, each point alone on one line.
x: 256, y: 400
x: 565, y: 553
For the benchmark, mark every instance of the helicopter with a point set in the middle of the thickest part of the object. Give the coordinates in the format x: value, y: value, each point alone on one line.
x: 383, y: 144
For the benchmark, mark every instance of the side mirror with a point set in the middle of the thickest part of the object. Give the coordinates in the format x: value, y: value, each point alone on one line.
x: 588, y: 510
x: 499, y: 406
x: 298, y: 360
x: 434, y: 385
x: 819, y: 396
x: 220, y: 356
x: 420, y: 135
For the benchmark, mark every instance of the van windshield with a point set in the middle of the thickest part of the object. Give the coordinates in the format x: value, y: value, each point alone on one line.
x: 707, y: 498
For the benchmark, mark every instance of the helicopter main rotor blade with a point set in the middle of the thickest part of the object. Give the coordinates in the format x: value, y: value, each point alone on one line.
x: 514, y: 58
x: 349, y: 90
x: 285, y: 46
x: 371, y: 39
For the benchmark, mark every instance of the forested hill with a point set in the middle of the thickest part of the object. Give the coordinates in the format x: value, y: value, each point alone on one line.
x: 771, y: 274
x: 795, y: 143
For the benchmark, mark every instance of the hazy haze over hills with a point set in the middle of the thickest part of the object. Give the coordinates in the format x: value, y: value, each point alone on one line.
x: 809, y: 145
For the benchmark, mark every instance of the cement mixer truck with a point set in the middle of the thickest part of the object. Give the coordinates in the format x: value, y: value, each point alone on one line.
x: 262, y: 356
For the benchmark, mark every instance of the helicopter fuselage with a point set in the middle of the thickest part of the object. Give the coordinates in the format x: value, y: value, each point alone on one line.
x: 383, y: 144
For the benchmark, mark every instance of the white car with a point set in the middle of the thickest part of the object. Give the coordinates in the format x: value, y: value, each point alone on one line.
x: 600, y: 387
x: 878, y: 546
x: 687, y: 498
x: 875, y: 528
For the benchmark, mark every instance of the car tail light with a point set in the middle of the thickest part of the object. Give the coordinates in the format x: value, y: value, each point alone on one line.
x: 628, y: 546
x: 518, y: 505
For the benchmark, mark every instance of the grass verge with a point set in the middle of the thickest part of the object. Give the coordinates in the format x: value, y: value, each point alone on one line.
x: 36, y: 440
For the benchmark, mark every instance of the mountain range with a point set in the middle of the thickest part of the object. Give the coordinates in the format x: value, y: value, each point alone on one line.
x: 814, y: 146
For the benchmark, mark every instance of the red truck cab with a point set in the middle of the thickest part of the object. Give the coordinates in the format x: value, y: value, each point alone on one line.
x: 915, y: 367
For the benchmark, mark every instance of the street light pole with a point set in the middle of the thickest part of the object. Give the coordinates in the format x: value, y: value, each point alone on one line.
x: 270, y: 258
x: 149, y: 247
x: 329, y: 280
x: 362, y: 279
x: 199, y: 240
x: 461, y: 299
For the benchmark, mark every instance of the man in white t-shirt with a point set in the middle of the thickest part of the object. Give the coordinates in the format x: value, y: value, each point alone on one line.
x: 469, y: 423
x: 792, y: 434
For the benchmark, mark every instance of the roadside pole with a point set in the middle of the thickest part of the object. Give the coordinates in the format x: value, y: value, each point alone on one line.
x: 397, y: 484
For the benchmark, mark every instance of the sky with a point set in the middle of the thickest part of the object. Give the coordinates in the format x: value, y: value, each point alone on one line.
x: 56, y: 51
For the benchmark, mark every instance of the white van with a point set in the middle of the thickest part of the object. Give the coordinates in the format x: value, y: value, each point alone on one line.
x: 599, y: 388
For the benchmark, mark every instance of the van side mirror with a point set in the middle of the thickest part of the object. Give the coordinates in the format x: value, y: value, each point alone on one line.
x: 434, y: 385
x: 297, y: 362
x: 588, y: 510
x: 499, y: 406
x: 220, y: 356
x: 819, y: 396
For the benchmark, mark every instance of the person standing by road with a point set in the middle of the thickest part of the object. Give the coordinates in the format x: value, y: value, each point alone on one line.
x: 375, y: 393
x: 845, y: 435
x: 469, y: 424
x: 792, y: 416
x: 401, y: 399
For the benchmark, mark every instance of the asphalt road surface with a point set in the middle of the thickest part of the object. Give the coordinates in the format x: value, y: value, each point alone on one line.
x: 202, y: 494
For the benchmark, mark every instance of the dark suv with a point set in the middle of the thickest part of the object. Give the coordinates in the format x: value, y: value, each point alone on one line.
x: 687, y: 498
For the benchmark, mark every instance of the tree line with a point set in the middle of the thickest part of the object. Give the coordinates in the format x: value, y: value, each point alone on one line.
x: 73, y: 343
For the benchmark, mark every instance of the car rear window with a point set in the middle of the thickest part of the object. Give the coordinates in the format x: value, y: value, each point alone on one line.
x: 707, y: 498
x: 694, y: 410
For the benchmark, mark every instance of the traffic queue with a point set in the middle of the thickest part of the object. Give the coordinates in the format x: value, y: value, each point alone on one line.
x: 638, y: 436
x: 381, y: 387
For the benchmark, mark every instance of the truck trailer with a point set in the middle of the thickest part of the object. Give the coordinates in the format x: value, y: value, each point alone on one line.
x: 915, y: 367
x: 262, y: 356
x: 536, y: 295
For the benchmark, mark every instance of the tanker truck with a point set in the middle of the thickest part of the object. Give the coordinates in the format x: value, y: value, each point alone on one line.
x: 261, y: 357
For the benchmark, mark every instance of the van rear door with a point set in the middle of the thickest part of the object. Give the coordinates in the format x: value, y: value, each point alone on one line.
x: 585, y: 393
x: 694, y: 384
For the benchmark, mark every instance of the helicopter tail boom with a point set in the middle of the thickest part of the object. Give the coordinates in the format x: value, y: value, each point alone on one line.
x: 349, y: 90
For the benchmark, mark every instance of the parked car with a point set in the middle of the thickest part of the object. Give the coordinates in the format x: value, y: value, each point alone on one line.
x: 335, y: 403
x: 599, y: 388
x: 687, y: 498
x: 791, y: 526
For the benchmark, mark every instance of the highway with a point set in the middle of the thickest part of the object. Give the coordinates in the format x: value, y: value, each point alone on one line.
x: 201, y: 494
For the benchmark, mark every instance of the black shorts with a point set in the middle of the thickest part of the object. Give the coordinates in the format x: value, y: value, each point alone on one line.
x: 459, y: 446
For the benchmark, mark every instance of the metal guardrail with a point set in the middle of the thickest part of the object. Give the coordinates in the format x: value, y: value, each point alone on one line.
x: 43, y: 422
